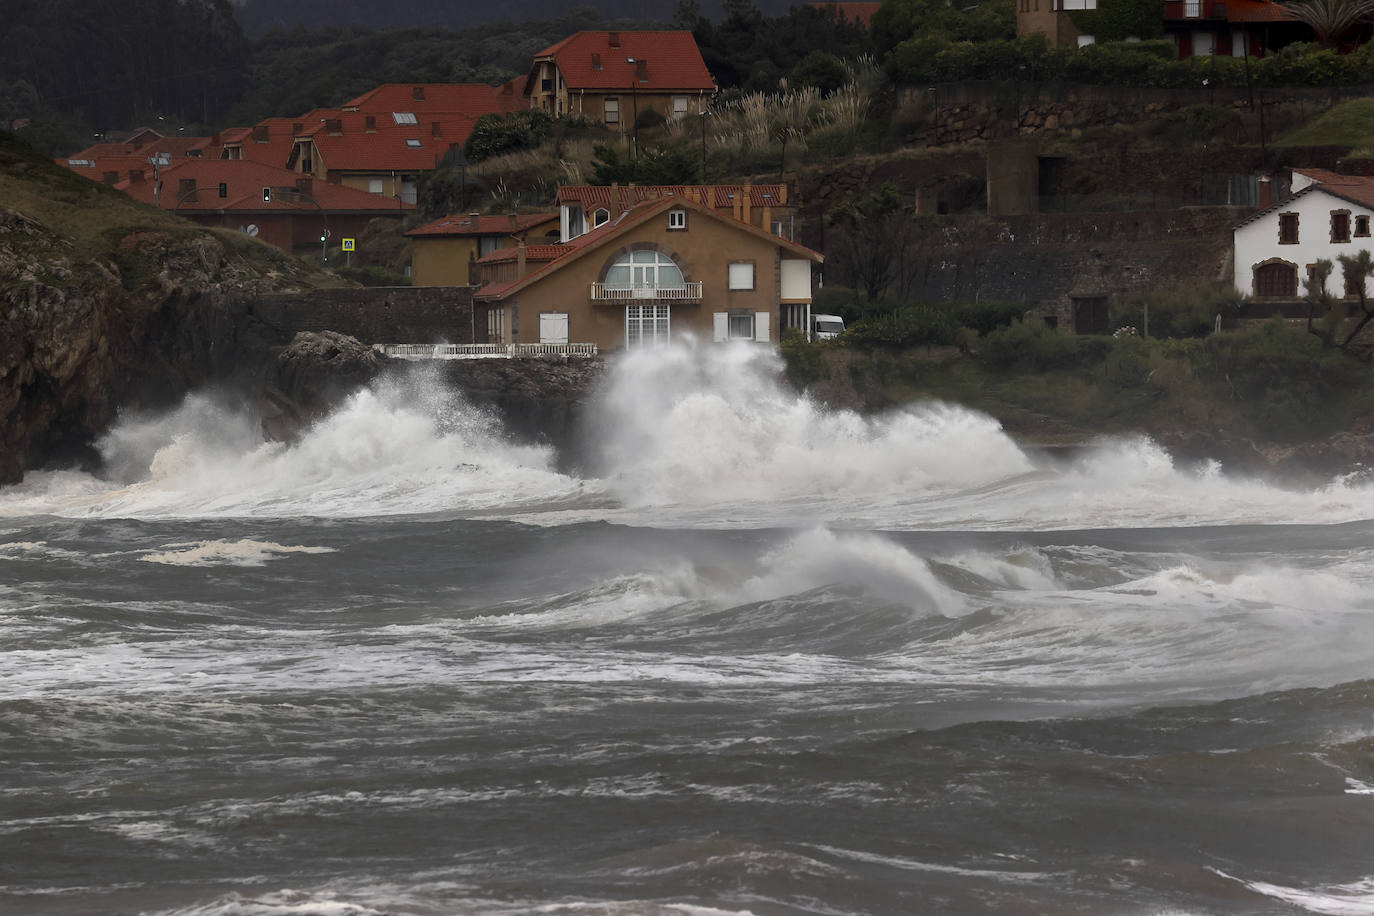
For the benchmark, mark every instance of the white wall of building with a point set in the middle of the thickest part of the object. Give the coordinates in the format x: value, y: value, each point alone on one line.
x: 1258, y: 241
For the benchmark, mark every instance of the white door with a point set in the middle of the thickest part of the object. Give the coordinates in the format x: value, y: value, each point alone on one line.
x: 553, y: 328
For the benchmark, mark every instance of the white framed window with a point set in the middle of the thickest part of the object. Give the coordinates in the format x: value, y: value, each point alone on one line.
x: 600, y: 217
x: 496, y: 325
x: 644, y: 270
x: 404, y: 117
x: 680, y: 103
x: 677, y: 219
x: 646, y: 325
x: 612, y: 111
x: 741, y: 324
x: 1192, y: 9
x: 742, y: 275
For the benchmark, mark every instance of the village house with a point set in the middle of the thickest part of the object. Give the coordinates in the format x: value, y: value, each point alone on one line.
x: 1328, y: 215
x: 661, y: 269
x: 583, y: 208
x: 274, y: 205
x: 615, y: 77
x: 445, y: 252
x: 1234, y: 28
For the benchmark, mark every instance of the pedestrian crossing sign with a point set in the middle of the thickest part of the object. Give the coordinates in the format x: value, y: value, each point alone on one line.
x: 347, y: 244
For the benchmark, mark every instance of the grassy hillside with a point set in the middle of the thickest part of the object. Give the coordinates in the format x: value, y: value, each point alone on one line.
x: 1349, y: 124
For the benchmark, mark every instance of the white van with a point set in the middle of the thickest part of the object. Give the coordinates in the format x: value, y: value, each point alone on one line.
x: 825, y: 327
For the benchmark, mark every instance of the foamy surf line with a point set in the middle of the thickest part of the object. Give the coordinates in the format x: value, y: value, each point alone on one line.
x: 243, y: 552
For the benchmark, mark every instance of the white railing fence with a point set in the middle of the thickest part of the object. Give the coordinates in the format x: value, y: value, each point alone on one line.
x: 485, y: 351
x: 687, y: 291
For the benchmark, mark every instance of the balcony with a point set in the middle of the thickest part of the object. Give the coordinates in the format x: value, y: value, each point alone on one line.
x: 688, y: 292
x: 1194, y: 9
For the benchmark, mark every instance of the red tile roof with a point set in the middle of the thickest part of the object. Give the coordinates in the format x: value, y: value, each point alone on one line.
x: 465, y: 224
x: 470, y: 99
x: 1358, y: 189
x: 274, y: 150
x: 126, y: 157
x: 619, y: 226
x: 623, y: 197
x: 859, y: 13
x: 1257, y: 11
x: 532, y: 253
x: 384, y: 147
x: 673, y: 62
x: 244, y: 181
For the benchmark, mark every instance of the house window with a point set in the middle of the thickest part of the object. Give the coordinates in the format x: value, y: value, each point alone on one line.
x: 741, y: 324
x: 1078, y: 5
x: 1354, y: 286
x: 412, y: 143
x: 646, y: 325
x: 1276, y: 279
x: 600, y: 216
x: 742, y: 275
x: 613, y: 111
x: 1192, y: 9
x: 1340, y: 225
x: 374, y: 186
x: 647, y: 271
x: 677, y: 219
x: 1361, y: 227
x: 404, y: 117
x: 680, y: 106
x: 1288, y: 228
x: 496, y: 325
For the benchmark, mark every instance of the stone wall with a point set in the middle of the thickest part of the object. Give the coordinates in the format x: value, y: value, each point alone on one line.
x: 401, y: 314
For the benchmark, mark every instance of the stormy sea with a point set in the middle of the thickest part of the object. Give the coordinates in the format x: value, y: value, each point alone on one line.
x: 752, y: 656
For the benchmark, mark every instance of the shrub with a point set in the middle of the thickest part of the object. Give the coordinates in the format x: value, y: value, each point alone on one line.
x: 921, y: 325
x: 494, y: 134
x: 1031, y: 345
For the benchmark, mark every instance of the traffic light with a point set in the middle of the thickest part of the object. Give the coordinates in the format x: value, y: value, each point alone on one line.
x: 266, y: 194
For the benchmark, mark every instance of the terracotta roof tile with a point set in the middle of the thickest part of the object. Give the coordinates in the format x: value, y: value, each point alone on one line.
x: 532, y: 253
x: 470, y: 99
x: 386, y: 145
x: 463, y: 224
x: 673, y: 62
x: 720, y: 196
x: 1257, y: 11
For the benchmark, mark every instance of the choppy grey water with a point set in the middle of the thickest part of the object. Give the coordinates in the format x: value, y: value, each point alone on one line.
x: 755, y: 657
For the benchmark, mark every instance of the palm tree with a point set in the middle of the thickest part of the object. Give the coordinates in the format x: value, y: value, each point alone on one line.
x: 1331, y: 19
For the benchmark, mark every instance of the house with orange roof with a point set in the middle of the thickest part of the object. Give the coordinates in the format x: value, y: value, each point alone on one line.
x: 583, y: 208
x: 469, y: 99
x: 111, y: 161
x: 664, y: 268
x: 445, y: 251
x: 1327, y: 215
x: 615, y: 77
x: 273, y: 204
x: 1227, y: 28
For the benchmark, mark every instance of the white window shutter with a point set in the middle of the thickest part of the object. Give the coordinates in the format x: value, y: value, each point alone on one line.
x: 722, y: 326
x: 761, y: 326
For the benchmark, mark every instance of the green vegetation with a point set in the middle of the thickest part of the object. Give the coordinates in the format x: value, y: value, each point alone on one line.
x: 1348, y: 124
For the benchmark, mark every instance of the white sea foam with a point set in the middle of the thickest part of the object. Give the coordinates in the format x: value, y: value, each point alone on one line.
x: 1353, y: 899
x: 243, y: 552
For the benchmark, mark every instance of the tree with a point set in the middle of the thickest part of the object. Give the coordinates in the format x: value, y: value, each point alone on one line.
x: 1331, y: 20
x: 874, y: 235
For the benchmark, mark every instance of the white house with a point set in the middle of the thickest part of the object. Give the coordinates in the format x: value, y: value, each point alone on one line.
x: 1327, y: 216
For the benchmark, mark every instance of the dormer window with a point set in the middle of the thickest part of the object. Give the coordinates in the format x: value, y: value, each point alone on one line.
x: 596, y: 61
x: 404, y: 117
x: 600, y: 216
x: 677, y: 219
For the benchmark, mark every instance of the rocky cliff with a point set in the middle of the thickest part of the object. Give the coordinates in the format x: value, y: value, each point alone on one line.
x: 106, y: 304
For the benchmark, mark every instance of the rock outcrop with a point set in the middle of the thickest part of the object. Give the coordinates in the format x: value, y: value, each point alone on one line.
x: 309, y: 378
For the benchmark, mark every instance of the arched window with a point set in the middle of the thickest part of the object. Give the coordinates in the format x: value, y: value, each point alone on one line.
x: 1276, y: 279
x: 644, y: 270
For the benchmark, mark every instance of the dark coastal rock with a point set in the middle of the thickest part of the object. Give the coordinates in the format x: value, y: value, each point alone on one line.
x: 1234, y: 454
x: 1318, y: 462
x: 310, y: 377
x: 135, y: 325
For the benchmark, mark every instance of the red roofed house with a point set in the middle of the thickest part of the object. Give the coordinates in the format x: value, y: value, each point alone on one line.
x: 276, y: 205
x: 1235, y: 28
x: 145, y: 150
x: 445, y: 252
x: 586, y: 207
x: 661, y: 269
x: 614, y: 77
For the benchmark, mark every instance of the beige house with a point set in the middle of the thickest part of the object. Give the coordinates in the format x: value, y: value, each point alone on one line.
x: 445, y: 252
x: 614, y: 77
x: 662, y: 269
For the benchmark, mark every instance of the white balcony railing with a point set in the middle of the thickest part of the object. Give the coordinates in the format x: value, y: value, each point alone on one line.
x: 688, y: 292
x: 485, y: 351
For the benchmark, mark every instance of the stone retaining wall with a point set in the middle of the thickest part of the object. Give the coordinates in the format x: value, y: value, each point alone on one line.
x: 398, y: 314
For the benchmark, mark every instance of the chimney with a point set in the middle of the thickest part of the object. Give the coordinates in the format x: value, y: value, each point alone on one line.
x: 474, y: 220
x: 782, y: 195
x: 520, y: 259
x: 734, y: 204
x: 1265, y: 192
x: 111, y: 178
x: 513, y: 221
x: 306, y: 186
x: 745, y: 200
x: 642, y: 70
x: 260, y: 133
x: 613, y: 39
x: 417, y: 93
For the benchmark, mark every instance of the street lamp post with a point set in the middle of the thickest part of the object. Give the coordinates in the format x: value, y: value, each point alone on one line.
x: 634, y: 101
